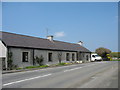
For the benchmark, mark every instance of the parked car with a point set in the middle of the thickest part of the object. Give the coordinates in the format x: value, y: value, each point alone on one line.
x: 95, y: 57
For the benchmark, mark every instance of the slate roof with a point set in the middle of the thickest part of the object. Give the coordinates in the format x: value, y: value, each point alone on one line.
x: 17, y: 40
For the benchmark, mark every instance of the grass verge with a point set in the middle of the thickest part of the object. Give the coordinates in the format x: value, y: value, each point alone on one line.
x: 116, y: 60
x: 44, y: 66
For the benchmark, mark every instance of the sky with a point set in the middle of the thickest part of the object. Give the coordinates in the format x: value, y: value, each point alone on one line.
x: 93, y: 23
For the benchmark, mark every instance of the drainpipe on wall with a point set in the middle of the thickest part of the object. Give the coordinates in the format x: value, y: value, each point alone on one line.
x: 33, y: 58
x: 90, y: 56
x: 78, y: 56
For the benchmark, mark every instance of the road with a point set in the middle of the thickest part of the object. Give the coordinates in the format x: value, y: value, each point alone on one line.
x: 87, y: 75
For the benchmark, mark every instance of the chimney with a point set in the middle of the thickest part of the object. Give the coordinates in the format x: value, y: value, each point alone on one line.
x: 50, y: 38
x: 80, y: 43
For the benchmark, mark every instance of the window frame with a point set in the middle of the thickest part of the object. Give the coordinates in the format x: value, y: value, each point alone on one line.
x: 24, y: 58
x: 87, y: 57
x: 67, y: 56
x: 50, y: 57
x: 73, y: 57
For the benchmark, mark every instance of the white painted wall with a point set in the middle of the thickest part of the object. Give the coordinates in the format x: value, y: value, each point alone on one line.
x: 2, y: 50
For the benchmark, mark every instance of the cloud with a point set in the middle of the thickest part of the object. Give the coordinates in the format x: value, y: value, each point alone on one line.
x: 59, y: 34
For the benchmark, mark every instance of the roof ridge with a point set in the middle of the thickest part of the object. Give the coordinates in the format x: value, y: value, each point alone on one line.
x: 36, y: 37
x: 65, y: 42
x: 23, y: 35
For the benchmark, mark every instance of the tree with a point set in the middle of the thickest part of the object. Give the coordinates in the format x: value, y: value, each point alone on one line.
x: 39, y: 60
x: 60, y: 56
x: 103, y: 52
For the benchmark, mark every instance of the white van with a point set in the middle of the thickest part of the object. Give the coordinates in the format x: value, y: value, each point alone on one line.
x: 95, y: 57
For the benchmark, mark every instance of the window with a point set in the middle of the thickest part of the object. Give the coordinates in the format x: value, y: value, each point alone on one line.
x: 67, y: 57
x: 49, y: 57
x: 87, y: 57
x: 97, y: 56
x: 73, y: 57
x: 25, y: 56
x: 93, y: 56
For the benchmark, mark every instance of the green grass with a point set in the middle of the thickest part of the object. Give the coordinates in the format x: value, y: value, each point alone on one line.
x: 19, y: 68
x: 116, y: 60
x: 61, y: 64
x: 43, y: 66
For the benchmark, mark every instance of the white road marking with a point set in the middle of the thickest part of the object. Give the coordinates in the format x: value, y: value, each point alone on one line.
x: 78, y: 68
x: 59, y: 67
x: 26, y: 79
x: 72, y: 69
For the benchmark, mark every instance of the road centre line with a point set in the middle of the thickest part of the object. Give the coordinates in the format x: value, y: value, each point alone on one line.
x: 78, y: 68
x: 72, y: 69
x: 89, y: 65
x: 57, y: 67
x: 26, y: 79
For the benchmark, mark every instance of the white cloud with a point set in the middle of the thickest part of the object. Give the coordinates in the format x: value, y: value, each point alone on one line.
x: 59, y: 34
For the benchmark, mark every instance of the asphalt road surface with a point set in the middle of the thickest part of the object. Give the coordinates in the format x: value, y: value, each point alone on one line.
x: 87, y: 75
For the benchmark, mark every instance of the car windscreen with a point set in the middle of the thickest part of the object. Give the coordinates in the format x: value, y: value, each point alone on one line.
x: 97, y: 56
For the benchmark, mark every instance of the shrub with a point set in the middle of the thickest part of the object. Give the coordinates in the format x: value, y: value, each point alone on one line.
x: 11, y: 66
x: 39, y: 60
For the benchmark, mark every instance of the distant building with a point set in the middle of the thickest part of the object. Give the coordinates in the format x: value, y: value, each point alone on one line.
x: 25, y: 48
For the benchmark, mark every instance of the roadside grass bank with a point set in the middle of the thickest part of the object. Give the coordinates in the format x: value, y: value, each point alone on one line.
x: 115, y: 60
x: 45, y: 66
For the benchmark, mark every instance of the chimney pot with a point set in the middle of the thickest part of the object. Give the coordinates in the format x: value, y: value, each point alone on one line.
x: 50, y: 38
x: 80, y: 43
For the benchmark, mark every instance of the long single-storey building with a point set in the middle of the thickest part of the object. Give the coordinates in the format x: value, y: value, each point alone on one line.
x: 24, y: 49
